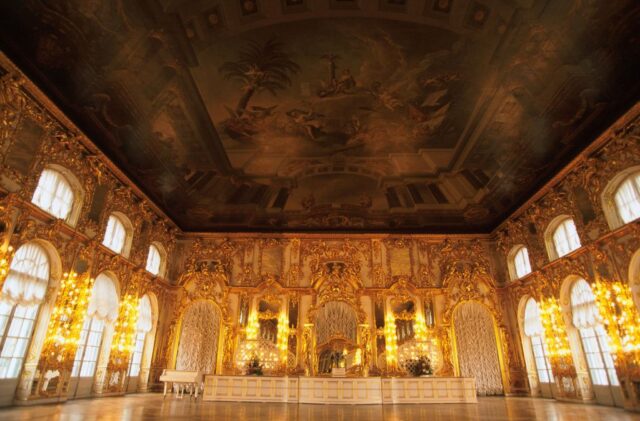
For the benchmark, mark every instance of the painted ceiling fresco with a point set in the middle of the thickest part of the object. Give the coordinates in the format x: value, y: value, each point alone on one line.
x: 428, y: 116
x: 361, y: 88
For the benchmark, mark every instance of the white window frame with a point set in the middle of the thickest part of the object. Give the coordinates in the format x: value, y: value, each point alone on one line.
x: 135, y: 364
x: 517, y: 253
x: 84, y: 364
x: 114, y: 222
x: 541, y: 359
x: 16, y: 335
x: 593, y: 337
x: 562, y: 228
x: 598, y: 356
x: 22, y: 294
x: 535, y: 336
x: 155, y: 260
x: 632, y: 182
x: 610, y: 206
x: 51, y: 198
x: 48, y: 200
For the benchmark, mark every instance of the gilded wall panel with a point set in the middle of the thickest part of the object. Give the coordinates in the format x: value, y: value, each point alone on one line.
x: 399, y: 260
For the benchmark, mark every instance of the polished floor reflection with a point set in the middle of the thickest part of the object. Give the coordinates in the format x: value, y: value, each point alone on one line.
x: 152, y: 406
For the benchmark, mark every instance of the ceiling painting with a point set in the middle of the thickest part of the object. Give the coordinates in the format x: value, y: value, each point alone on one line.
x: 315, y: 115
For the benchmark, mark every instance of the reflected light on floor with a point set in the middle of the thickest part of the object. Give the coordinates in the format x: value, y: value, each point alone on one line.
x: 152, y: 406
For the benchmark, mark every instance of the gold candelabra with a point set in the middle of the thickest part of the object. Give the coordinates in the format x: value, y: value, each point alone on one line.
x: 621, y: 318
x: 556, y: 339
x: 391, y: 342
x: 67, y: 318
x: 283, y: 339
x: 123, y: 343
x: 252, y: 328
x: 63, y: 334
x: 125, y: 326
x: 555, y: 333
x: 420, y: 329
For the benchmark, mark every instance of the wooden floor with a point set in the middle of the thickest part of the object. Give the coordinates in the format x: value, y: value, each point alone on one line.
x: 152, y: 406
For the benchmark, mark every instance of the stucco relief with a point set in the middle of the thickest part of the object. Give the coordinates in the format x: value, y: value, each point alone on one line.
x: 477, y: 350
x: 199, y: 338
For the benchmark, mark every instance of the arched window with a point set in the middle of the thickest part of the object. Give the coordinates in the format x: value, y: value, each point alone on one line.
x: 519, y: 264
x: 115, y: 236
x: 565, y: 237
x: 533, y: 331
x: 103, y: 308
x: 595, y: 341
x: 144, y: 326
x: 627, y: 198
x: 22, y: 293
x: 54, y: 194
x: 154, y: 260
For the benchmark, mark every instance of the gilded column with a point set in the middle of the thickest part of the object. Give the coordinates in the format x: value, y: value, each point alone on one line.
x: 308, y: 349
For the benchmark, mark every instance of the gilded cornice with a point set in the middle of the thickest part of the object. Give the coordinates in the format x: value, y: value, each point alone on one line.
x: 19, y: 91
x: 329, y: 236
x: 616, y: 131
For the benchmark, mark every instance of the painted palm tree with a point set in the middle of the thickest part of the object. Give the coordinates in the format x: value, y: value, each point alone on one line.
x: 260, y: 67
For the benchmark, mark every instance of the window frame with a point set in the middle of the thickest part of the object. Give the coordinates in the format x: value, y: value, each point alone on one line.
x: 537, y: 346
x: 596, y: 336
x: 128, y: 233
x: 5, y: 333
x: 13, y: 303
x: 592, y: 336
x: 546, y: 371
x: 634, y: 180
x: 607, y: 197
x: 512, y: 262
x: 162, y: 255
x: 79, y: 360
x: 550, y: 236
x: 76, y: 189
x: 137, y: 353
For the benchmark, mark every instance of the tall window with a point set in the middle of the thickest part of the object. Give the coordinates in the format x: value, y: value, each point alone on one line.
x: 115, y: 235
x: 154, y: 260
x: 53, y: 194
x: 533, y: 331
x: 627, y: 198
x: 595, y: 341
x: 84, y: 364
x: 144, y: 326
x: 103, y: 309
x: 521, y: 263
x: 22, y: 293
x: 565, y: 237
